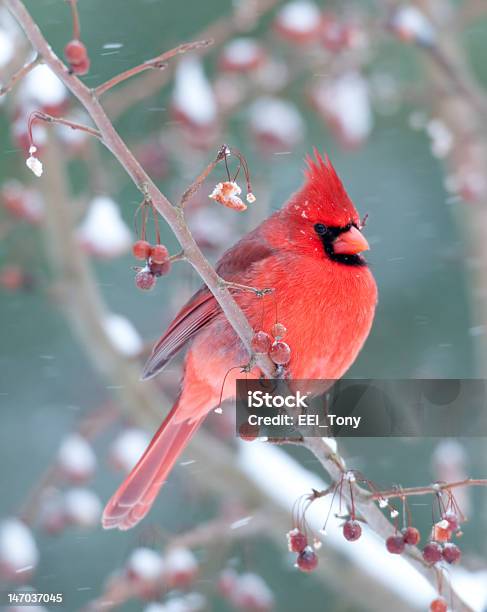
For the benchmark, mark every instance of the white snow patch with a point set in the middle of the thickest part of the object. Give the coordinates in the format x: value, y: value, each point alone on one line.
x: 18, y: 550
x: 103, y: 231
x: 441, y: 138
x: 7, y: 48
x: 251, y: 592
x: 146, y: 564
x: 123, y: 335
x: 471, y: 585
x: 409, y: 21
x: 42, y: 87
x: 76, y: 457
x: 346, y: 101
x: 242, y: 51
x: 299, y: 16
x: 278, y: 118
x: 83, y: 507
x: 181, y: 560
x: 128, y: 447
x: 193, y: 95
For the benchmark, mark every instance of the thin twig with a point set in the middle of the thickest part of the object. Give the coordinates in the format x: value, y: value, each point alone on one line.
x: 432, y: 489
x: 258, y: 292
x: 20, y: 74
x: 192, y: 189
x: 40, y: 116
x: 75, y: 16
x: 177, y: 257
x: 156, y: 62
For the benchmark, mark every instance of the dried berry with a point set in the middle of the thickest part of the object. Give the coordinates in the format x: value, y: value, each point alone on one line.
x: 228, y: 194
x: 280, y: 353
x: 441, y: 531
x: 451, y: 553
x: 141, y: 249
x: 278, y: 331
x: 160, y: 269
x: 432, y: 552
x: 297, y: 540
x: 395, y: 544
x: 261, y: 342
x: 452, y: 519
x: 307, y: 560
x: 438, y: 605
x: 145, y: 280
x: 411, y: 536
x: 352, y: 530
x: 159, y: 254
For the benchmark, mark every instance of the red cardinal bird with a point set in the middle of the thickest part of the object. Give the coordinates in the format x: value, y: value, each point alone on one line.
x: 324, y: 294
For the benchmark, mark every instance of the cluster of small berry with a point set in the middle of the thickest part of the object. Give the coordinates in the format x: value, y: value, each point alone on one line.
x: 157, y: 260
x: 272, y: 344
x: 307, y: 559
x: 439, y: 547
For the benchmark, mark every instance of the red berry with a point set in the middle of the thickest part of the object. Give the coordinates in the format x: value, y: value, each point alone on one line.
x: 261, y: 342
x: 451, y: 553
x: 145, y: 280
x: 432, y: 552
x: 81, y: 68
x: 141, y: 249
x: 307, y: 560
x: 160, y: 269
x: 452, y: 519
x: 395, y: 544
x: 278, y: 330
x: 438, y: 605
x: 352, y: 530
x: 75, y: 52
x: 248, y: 432
x: 411, y: 536
x: 159, y: 254
x: 296, y: 540
x: 280, y: 353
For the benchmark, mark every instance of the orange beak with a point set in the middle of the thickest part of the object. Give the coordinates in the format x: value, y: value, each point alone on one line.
x: 350, y: 242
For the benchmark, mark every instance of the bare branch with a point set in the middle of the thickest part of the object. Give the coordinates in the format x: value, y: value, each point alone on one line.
x: 156, y: 62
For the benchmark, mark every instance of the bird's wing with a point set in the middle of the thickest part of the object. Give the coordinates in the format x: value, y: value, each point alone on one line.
x: 197, y: 313
x: 202, y: 308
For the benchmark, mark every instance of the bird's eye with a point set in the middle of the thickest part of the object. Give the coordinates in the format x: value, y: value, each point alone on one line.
x: 320, y: 229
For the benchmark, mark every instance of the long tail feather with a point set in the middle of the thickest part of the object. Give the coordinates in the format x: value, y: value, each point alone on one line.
x: 135, y: 496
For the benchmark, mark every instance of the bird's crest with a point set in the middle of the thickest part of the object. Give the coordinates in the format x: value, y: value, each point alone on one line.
x: 324, y: 194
